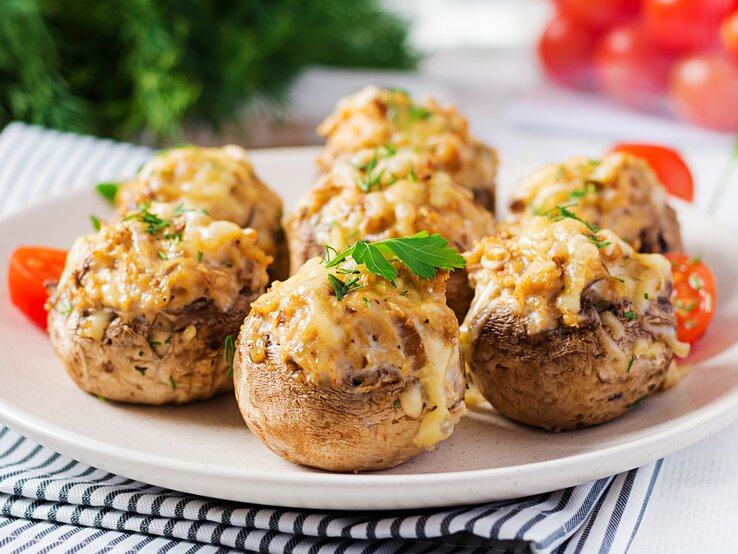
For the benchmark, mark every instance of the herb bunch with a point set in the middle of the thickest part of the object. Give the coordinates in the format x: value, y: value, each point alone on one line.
x: 422, y: 253
x: 119, y: 68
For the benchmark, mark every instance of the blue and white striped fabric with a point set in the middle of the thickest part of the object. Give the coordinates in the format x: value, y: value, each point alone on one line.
x: 51, y: 503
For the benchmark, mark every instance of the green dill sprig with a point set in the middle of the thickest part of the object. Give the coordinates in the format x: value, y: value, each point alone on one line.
x: 557, y: 213
x: 422, y: 253
x: 229, y: 352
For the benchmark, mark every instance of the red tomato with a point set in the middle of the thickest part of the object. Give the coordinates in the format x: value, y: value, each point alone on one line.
x: 600, y: 14
x: 683, y: 26
x: 629, y: 68
x: 729, y: 35
x: 704, y: 90
x: 564, y: 50
x: 29, y: 270
x: 694, y: 295
x: 667, y: 164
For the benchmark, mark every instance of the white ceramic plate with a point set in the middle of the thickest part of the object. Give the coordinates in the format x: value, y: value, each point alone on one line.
x: 206, y: 449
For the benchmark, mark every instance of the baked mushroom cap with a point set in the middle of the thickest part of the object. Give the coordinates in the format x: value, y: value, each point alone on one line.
x: 379, y: 194
x: 374, y: 117
x: 619, y: 192
x: 363, y: 382
x: 143, y: 308
x: 568, y: 327
x: 220, y: 181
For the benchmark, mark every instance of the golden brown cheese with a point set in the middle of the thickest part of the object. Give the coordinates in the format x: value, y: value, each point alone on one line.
x: 404, y: 329
x: 374, y: 117
x: 542, y: 273
x: 378, y: 195
x: 219, y: 180
x: 163, y: 258
x: 619, y: 192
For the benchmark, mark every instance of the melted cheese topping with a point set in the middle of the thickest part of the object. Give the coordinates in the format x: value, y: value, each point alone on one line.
x: 544, y: 272
x: 128, y: 269
x: 369, y: 334
x: 220, y: 181
x: 374, y: 117
x: 620, y: 193
x: 409, y: 197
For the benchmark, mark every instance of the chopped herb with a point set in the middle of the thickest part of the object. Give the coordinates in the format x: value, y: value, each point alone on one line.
x: 67, y: 309
x: 398, y: 90
x: 565, y: 213
x: 140, y: 369
x: 694, y: 260
x: 679, y: 305
x: 108, y: 191
x: 589, y: 188
x: 172, y: 383
x: 641, y: 399
x: 695, y: 281
x: 152, y: 342
x: 632, y: 359
x: 618, y: 279
x: 597, y: 242
x: 396, y: 404
x: 140, y: 352
x: 101, y: 398
x: 645, y: 295
x: 366, y: 301
x: 560, y: 171
x: 155, y: 225
x: 404, y: 293
x: 342, y: 289
x: 330, y: 252
x: 413, y: 177
x: 199, y: 255
x: 630, y: 315
x: 229, y: 352
x: 176, y: 237
x: 162, y: 255
x: 592, y: 161
x: 417, y: 113
x: 690, y: 324
x: 389, y: 150
x: 372, y: 178
x: 96, y: 222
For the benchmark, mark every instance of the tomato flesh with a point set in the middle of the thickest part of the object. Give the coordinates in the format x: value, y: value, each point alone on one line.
x: 667, y: 164
x: 729, y: 35
x: 564, y: 50
x: 29, y: 270
x: 694, y: 295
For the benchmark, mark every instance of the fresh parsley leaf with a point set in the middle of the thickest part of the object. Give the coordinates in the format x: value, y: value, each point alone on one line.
x: 369, y: 255
x: 108, y: 191
x: 229, y: 352
x: 424, y: 253
x: 630, y: 315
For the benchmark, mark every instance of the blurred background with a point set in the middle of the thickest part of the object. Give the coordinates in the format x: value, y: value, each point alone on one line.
x: 536, y: 78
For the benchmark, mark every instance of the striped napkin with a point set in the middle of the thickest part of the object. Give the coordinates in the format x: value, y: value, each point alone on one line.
x: 51, y: 503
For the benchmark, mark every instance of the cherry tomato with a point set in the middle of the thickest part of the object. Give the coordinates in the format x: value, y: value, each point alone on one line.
x: 667, y: 164
x: 629, y: 68
x: 683, y: 26
x: 565, y: 49
x: 729, y: 35
x: 694, y: 295
x: 600, y: 14
x: 704, y: 90
x: 29, y: 270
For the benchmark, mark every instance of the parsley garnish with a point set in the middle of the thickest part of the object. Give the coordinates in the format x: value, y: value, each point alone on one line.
x: 389, y: 150
x: 172, y: 383
x: 152, y: 343
x: 696, y: 282
x: 413, y: 177
x: 108, y: 191
x: 163, y: 255
x: 229, y: 352
x: 645, y: 295
x: 140, y: 369
x: 199, y: 255
x: 422, y: 253
x: 404, y: 293
x: 155, y: 225
x: 630, y: 315
x: 372, y: 178
x: 565, y: 213
x: 417, y: 113
x: 597, y: 242
x: 632, y: 359
x: 67, y: 309
x: 366, y: 301
x: 396, y: 404
x: 641, y: 399
x: 101, y: 398
x: 618, y: 279
x: 96, y: 222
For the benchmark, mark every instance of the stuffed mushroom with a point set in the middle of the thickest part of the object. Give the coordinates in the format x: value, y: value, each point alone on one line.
x: 619, y: 192
x: 144, y: 307
x: 569, y: 326
x: 382, y: 194
x: 220, y: 181
x: 350, y: 380
x: 374, y: 117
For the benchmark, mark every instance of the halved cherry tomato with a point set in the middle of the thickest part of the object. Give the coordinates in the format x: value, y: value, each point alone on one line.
x: 729, y: 35
x: 667, y: 164
x: 694, y: 295
x: 565, y: 49
x: 29, y: 270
